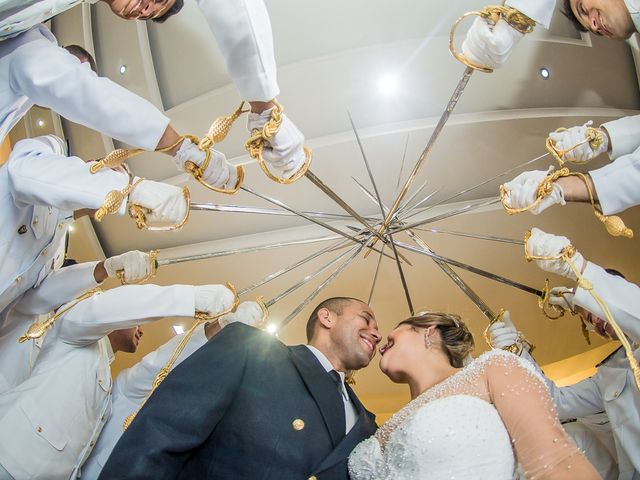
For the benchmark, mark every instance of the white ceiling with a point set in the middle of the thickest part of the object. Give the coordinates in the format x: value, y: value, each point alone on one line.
x: 330, y: 56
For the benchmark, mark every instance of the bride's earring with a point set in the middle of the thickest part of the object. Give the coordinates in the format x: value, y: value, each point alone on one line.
x: 427, y: 341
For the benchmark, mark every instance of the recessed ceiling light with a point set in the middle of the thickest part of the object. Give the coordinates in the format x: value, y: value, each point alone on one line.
x: 272, y: 328
x: 544, y: 73
x: 40, y: 122
x: 71, y: 228
x: 179, y: 329
x: 388, y: 85
x: 122, y: 69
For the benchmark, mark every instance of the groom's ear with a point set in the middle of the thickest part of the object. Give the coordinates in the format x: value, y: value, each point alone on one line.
x: 326, y: 319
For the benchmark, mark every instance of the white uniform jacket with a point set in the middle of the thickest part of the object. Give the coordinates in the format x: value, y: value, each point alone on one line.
x: 16, y: 359
x: 612, y: 389
x: 539, y: 10
x: 242, y: 29
x: 35, y: 70
x: 54, y: 417
x: 39, y: 190
x: 130, y: 389
x: 617, y: 183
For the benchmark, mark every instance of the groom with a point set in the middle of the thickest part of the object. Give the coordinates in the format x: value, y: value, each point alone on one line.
x: 247, y: 406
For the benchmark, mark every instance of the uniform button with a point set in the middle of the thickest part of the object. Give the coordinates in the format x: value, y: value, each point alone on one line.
x: 313, y: 477
x: 38, y: 429
x: 22, y: 230
x: 298, y: 424
x: 59, y: 226
x: 44, y: 252
x: 92, y: 444
x: 100, y: 381
x: 615, y: 394
x: 103, y: 418
x: 35, y: 221
x: 18, y: 279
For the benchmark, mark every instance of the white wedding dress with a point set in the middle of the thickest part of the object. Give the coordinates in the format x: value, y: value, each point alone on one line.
x: 463, y: 428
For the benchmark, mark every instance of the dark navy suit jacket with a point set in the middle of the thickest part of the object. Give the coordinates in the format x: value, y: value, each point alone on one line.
x: 234, y: 409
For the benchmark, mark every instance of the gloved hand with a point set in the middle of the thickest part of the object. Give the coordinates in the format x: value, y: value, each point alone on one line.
x: 136, y: 265
x: 568, y: 138
x: 248, y: 313
x: 522, y: 191
x: 219, y: 172
x: 547, y: 245
x: 562, y: 297
x: 57, y: 145
x: 489, y: 45
x: 285, y: 150
x: 213, y: 299
x: 504, y: 334
x: 166, y: 202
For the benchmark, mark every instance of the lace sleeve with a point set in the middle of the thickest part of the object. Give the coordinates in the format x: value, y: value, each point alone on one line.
x: 541, y: 445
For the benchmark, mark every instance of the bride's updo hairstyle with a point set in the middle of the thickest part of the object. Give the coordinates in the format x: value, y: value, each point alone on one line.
x: 457, y: 341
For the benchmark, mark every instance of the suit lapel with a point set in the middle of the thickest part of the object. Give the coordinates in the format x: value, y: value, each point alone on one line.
x: 322, y: 389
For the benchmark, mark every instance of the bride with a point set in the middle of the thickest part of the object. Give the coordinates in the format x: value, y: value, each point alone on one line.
x: 472, y: 422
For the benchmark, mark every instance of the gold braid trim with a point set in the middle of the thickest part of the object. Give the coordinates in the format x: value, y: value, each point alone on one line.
x: 594, y: 138
x: 114, y: 198
x: 259, y: 139
x: 492, y: 14
x: 38, y: 329
x: 119, y: 156
x: 200, y: 317
x: 552, y: 312
x: 565, y: 255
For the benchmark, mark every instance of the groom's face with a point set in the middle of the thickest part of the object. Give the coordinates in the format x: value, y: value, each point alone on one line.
x: 355, y: 335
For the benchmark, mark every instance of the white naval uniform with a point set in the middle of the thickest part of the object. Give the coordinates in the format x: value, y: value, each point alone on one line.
x: 612, y: 389
x: 130, y: 389
x: 55, y: 417
x: 539, y: 10
x: 16, y: 359
x: 242, y: 29
x: 39, y: 191
x: 617, y: 183
x: 35, y: 70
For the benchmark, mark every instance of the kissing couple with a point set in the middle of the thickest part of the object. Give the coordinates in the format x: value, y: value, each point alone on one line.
x: 247, y: 406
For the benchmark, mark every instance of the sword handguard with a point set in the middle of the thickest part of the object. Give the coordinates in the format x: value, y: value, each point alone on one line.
x: 139, y: 214
x: 594, y: 137
x: 491, y: 13
x: 152, y: 270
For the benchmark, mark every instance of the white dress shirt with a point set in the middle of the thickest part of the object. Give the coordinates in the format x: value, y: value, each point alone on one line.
x: 350, y: 413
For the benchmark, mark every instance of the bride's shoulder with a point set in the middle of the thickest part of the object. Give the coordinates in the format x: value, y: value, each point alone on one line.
x: 502, y: 362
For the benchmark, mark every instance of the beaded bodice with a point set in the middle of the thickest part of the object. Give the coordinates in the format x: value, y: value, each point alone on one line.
x: 471, y: 425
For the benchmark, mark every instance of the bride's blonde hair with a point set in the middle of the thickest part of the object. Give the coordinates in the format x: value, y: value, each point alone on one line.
x: 457, y: 341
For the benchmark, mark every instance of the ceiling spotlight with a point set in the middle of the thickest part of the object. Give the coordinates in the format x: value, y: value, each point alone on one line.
x: 122, y: 69
x: 71, y: 228
x: 179, y: 329
x: 272, y: 328
x: 388, y: 85
x: 544, y: 73
x: 40, y: 122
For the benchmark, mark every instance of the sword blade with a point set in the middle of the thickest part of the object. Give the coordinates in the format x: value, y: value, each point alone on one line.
x: 470, y: 268
x: 473, y: 235
x: 453, y: 101
x: 211, y: 207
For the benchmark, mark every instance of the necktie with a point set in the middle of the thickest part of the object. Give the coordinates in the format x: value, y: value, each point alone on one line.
x: 335, y: 376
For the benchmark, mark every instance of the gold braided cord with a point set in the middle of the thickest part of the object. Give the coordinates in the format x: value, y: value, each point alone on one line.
x: 153, y: 269
x: 119, y: 156
x: 38, y: 329
x: 492, y: 14
x: 114, y: 198
x: 594, y: 137
x: 139, y: 214
x: 545, y: 188
x: 565, y: 255
x: 551, y: 311
x: 200, y: 317
x: 260, y: 138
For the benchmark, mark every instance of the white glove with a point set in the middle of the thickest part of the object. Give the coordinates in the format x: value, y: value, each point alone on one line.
x: 166, y: 202
x: 543, y: 244
x: 55, y: 143
x: 504, y: 334
x: 213, y: 299
x: 562, y: 297
x: 522, y: 191
x: 490, y: 45
x: 219, y: 172
x: 248, y: 313
x: 574, y: 135
x: 136, y: 265
x: 285, y: 152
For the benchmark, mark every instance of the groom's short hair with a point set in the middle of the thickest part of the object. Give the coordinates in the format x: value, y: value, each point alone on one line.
x: 333, y: 304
